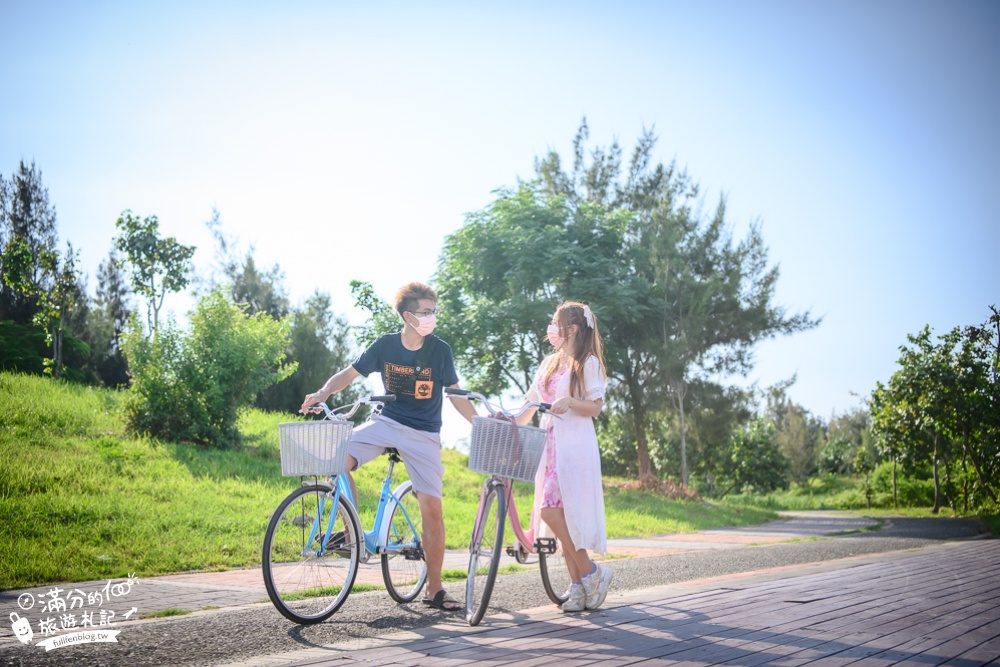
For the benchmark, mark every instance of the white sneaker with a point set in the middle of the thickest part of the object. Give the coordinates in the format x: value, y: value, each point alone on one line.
x: 576, y: 600
x: 595, y: 586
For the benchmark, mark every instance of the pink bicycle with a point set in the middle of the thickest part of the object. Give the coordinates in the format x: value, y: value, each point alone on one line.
x: 506, y: 451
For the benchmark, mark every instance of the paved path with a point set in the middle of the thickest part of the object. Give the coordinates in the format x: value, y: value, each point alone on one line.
x: 234, y: 588
x: 928, y: 605
x: 937, y: 606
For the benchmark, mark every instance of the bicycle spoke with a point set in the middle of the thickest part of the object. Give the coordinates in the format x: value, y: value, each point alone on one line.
x: 484, y: 557
x: 403, y: 567
x: 306, y: 583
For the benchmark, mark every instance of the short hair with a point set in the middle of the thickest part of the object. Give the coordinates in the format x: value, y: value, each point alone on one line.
x: 409, y: 294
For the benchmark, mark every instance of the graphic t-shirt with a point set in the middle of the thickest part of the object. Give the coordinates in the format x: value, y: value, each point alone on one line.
x: 419, y: 394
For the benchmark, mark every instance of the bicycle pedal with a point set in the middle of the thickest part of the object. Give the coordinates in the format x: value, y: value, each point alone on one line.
x: 511, y: 552
x: 413, y: 553
x: 545, y: 545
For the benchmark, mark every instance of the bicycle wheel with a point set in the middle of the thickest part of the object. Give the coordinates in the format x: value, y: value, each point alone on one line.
x: 305, y: 584
x: 555, y: 576
x: 403, y: 567
x: 484, y: 556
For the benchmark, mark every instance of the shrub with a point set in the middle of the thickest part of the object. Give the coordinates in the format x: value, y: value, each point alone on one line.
x: 192, y: 386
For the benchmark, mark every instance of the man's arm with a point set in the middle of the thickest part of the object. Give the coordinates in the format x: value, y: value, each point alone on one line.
x: 336, y: 383
x: 463, y: 405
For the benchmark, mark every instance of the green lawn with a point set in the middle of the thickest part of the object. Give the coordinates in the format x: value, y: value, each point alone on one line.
x: 81, y: 500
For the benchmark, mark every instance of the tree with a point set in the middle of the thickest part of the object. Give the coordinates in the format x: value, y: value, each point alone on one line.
x: 108, y: 322
x: 27, y: 225
x: 943, y: 393
x: 158, y: 265
x: 260, y: 291
x: 756, y: 461
x: 319, y: 343
x: 57, y: 304
x: 679, y: 299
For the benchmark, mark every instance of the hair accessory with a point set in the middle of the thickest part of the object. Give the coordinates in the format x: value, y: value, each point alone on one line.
x: 589, y: 316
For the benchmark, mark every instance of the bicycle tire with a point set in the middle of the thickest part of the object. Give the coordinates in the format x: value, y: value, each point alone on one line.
x: 484, y: 554
x: 304, y: 585
x: 404, y: 573
x: 555, y: 576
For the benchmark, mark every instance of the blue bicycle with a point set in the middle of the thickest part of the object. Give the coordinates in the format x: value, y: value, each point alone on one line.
x: 315, y: 544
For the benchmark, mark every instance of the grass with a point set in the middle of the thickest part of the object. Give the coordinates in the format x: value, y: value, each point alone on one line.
x: 80, y: 499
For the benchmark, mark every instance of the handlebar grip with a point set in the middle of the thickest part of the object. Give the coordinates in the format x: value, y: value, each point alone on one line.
x: 456, y: 392
x: 544, y: 407
x: 388, y: 398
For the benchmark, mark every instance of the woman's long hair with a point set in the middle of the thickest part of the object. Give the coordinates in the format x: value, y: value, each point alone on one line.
x: 587, y: 344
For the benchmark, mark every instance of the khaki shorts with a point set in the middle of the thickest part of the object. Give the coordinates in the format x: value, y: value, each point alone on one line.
x: 420, y: 451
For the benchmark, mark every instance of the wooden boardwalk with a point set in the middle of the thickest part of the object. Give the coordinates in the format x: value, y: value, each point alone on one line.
x: 937, y: 606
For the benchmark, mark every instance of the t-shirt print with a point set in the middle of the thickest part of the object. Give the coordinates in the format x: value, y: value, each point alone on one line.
x: 405, y: 380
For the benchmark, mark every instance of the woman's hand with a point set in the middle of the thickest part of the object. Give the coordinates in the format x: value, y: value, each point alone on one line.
x: 562, y: 405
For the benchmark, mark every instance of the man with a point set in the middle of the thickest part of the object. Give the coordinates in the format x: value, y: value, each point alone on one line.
x: 415, y: 366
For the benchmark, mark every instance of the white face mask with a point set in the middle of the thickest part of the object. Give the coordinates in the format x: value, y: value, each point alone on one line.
x: 425, y: 325
x: 554, y: 337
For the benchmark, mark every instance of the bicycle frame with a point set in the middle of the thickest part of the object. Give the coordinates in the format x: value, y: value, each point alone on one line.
x: 377, y: 539
x: 524, y: 540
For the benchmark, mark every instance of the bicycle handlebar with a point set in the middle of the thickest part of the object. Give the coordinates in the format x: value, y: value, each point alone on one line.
x: 494, y: 410
x: 335, y: 413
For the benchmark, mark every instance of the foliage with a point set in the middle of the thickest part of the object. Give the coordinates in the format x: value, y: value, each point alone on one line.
x: 158, y: 265
x: 756, y: 462
x: 192, y: 386
x: 245, y: 283
x: 107, y: 322
x: 27, y: 237
x: 941, y: 409
x: 319, y: 342
x: 678, y: 298
x: 382, y: 317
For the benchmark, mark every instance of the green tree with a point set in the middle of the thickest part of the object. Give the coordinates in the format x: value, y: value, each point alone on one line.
x: 56, y: 305
x: 158, y: 265
x: 27, y: 225
x: 107, y: 322
x: 261, y: 291
x: 678, y: 298
x: 192, y: 386
x: 756, y: 462
x: 320, y: 345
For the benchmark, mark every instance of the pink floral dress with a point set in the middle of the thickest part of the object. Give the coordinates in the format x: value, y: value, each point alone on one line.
x: 551, y: 496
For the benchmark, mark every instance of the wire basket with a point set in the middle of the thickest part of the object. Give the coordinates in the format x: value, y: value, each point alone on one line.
x: 314, y: 448
x: 505, y: 449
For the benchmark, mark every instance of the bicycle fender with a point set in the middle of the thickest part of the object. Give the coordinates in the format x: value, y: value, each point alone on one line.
x: 390, y: 505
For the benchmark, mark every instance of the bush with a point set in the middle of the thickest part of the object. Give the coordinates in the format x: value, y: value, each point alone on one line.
x: 913, y: 490
x: 192, y: 386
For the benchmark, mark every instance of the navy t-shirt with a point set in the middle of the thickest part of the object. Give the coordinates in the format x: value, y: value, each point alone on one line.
x: 418, y: 396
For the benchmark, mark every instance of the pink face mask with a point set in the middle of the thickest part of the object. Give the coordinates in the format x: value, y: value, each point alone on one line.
x: 554, y: 337
x: 425, y: 325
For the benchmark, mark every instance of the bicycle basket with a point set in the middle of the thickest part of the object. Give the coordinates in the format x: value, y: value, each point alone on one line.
x: 314, y: 448
x: 505, y: 449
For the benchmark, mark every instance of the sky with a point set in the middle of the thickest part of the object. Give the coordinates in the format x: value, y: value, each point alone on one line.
x: 347, y: 140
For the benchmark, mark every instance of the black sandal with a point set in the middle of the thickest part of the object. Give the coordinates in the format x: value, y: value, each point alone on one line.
x: 443, y: 601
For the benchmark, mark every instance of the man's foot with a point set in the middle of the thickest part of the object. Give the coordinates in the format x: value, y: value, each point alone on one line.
x: 443, y: 601
x: 595, y: 586
x: 576, y: 598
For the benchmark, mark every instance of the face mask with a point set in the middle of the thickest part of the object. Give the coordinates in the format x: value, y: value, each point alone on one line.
x: 554, y: 337
x: 425, y: 325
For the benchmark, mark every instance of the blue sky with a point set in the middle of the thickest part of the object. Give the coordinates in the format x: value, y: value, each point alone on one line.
x: 347, y: 140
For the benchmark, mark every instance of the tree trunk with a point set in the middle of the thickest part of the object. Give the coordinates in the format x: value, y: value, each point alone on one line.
x: 894, y: 498
x: 641, y: 443
x: 937, y: 478
x: 679, y: 388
